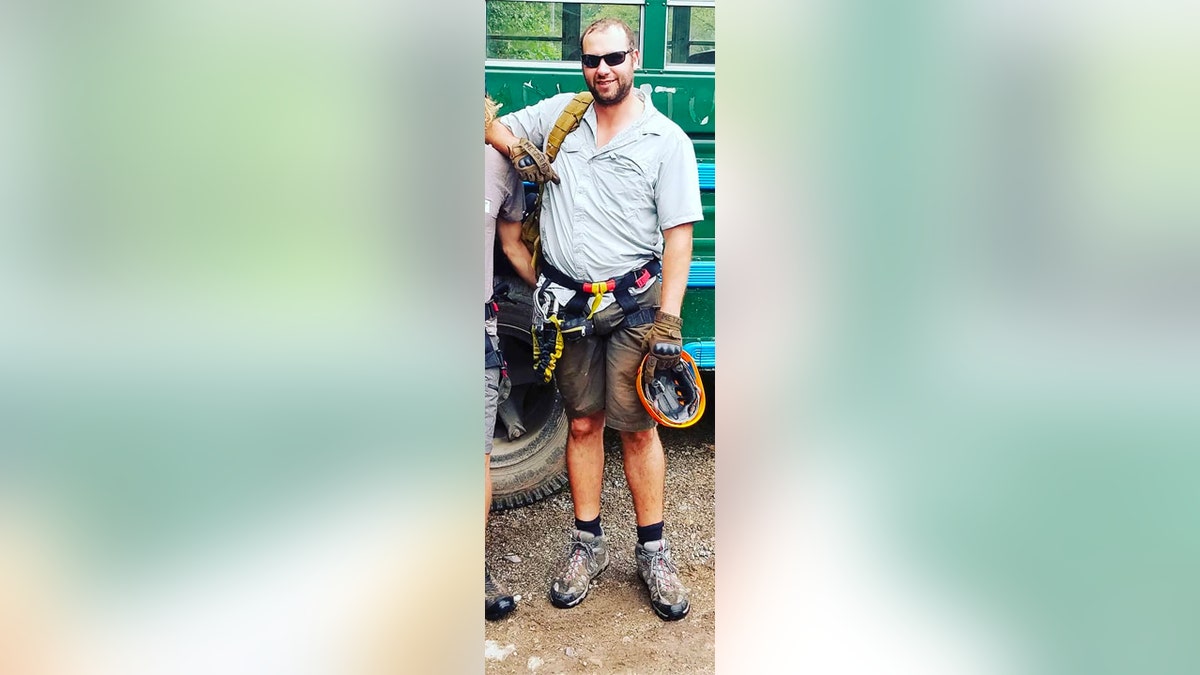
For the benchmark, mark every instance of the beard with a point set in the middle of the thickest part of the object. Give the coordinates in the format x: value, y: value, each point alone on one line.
x: 622, y: 91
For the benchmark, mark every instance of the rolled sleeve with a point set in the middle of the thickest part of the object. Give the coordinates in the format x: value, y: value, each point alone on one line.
x: 677, y: 190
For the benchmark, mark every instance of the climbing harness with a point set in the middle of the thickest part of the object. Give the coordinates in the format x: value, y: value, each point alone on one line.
x: 554, y: 323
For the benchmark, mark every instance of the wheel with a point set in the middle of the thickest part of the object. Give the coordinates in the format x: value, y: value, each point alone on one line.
x: 532, y: 465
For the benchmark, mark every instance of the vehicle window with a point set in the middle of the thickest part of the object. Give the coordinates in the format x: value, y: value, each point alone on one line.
x: 691, y: 34
x: 547, y: 31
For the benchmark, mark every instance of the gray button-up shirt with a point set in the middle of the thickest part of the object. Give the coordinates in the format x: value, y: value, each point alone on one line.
x: 608, y: 215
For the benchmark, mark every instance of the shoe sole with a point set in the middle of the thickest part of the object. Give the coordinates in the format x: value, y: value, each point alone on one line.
x: 568, y: 605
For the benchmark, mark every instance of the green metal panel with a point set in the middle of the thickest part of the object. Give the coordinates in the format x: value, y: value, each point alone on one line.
x: 654, y: 35
x: 698, y: 315
x: 704, y: 233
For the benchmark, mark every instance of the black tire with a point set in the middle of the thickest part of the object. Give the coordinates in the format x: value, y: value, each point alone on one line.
x: 533, y: 466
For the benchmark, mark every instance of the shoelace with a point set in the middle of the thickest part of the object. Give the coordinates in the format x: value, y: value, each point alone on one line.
x: 577, y: 561
x: 663, y: 572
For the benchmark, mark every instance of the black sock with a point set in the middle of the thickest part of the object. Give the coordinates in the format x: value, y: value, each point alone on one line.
x: 591, y: 526
x: 649, y: 532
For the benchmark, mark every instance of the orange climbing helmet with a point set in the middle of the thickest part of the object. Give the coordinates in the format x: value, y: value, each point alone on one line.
x: 673, y: 396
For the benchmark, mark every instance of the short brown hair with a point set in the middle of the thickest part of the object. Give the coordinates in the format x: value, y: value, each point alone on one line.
x: 606, y: 23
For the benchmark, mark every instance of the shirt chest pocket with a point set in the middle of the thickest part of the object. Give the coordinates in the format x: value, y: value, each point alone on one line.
x: 627, y: 176
x: 573, y: 144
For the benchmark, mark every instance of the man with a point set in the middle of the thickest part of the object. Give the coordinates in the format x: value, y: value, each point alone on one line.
x: 618, y: 204
x: 503, y: 203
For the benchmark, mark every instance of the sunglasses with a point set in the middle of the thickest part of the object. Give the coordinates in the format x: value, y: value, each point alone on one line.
x: 612, y: 59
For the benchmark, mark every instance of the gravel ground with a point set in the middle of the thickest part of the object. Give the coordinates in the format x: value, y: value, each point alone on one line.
x: 614, y: 630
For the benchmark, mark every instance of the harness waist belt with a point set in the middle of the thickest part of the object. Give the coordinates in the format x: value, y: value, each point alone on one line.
x: 637, y: 278
x: 621, y: 286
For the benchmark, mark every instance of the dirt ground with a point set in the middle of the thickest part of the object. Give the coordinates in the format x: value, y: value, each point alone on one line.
x: 613, y: 630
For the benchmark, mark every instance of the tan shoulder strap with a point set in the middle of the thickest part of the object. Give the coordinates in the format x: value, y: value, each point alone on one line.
x: 567, y: 121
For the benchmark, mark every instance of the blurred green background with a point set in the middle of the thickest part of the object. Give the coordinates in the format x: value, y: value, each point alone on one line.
x: 988, y: 216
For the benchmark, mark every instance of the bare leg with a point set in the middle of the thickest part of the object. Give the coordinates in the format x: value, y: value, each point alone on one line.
x: 645, y: 471
x: 585, y: 464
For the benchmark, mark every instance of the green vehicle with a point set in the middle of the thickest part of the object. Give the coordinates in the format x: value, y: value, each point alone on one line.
x: 533, y: 53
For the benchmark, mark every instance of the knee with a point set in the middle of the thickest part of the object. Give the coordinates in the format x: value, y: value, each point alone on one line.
x: 638, y: 442
x: 583, y: 427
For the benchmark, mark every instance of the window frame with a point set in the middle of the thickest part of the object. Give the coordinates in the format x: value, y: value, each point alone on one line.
x: 668, y: 65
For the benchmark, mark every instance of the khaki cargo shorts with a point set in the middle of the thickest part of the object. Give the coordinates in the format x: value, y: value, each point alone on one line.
x: 599, y: 372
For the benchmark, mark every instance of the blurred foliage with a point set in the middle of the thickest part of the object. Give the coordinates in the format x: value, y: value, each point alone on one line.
x: 514, y: 20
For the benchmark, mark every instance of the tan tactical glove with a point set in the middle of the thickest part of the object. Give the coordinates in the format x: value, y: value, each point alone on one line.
x: 665, y: 339
x: 531, y: 163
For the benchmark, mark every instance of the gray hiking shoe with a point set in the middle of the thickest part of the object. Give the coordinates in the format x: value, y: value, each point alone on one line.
x: 585, y: 558
x: 668, y: 595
